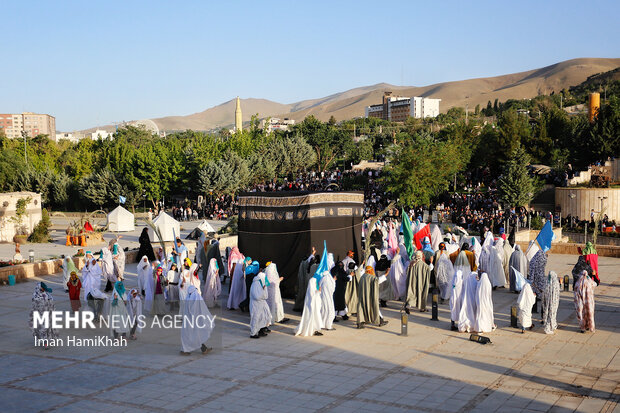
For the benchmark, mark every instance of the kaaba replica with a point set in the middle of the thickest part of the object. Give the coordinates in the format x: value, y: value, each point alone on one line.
x: 284, y: 226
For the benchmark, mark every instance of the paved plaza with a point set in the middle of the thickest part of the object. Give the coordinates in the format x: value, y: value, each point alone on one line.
x: 431, y: 370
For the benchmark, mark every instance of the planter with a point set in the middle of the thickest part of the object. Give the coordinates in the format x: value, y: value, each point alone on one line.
x: 21, y: 239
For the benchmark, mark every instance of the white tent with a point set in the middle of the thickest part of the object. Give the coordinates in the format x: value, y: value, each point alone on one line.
x: 120, y: 220
x: 168, y: 226
x: 206, y: 227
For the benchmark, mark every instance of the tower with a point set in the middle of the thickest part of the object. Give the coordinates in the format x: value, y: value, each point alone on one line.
x: 238, y: 117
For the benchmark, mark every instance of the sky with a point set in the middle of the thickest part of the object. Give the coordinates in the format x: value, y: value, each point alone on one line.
x: 92, y: 63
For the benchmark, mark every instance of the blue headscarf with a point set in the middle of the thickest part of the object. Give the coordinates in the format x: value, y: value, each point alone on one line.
x: 252, y: 269
x: 426, y: 245
x: 318, y: 274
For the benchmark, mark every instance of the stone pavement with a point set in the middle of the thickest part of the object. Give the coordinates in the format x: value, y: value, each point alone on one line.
x: 347, y: 370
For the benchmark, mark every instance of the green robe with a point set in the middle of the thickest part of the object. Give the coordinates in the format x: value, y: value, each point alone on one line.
x: 303, y: 276
x: 368, y: 300
x: 352, y: 292
x: 418, y: 278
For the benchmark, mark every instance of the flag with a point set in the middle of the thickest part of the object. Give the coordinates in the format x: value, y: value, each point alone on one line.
x: 322, y: 266
x: 121, y: 199
x: 407, y: 231
x: 545, y: 236
x: 420, y: 235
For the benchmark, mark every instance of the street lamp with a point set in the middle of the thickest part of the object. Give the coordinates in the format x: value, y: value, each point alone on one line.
x: 24, y: 135
x: 572, y: 196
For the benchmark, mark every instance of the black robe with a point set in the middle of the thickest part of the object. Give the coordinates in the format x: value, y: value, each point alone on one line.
x: 341, y: 287
x: 145, y: 246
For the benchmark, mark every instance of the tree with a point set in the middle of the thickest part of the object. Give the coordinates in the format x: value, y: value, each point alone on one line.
x: 101, y: 188
x: 420, y: 170
x: 516, y: 187
x: 477, y: 110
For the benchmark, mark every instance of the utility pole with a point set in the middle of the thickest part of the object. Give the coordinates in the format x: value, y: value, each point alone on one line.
x: 24, y: 134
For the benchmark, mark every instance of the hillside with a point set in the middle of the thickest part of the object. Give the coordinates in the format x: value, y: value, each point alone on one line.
x: 351, y: 103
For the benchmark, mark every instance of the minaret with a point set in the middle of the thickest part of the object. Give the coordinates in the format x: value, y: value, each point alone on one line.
x: 238, y: 117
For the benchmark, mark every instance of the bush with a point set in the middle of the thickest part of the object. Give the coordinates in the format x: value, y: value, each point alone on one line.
x: 41, y: 230
x: 231, y: 227
x: 536, y: 223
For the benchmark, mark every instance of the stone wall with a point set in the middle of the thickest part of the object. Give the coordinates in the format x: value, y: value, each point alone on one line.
x: 8, y: 204
x: 579, y: 202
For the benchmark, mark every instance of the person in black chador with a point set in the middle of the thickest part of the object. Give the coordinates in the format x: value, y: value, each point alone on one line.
x: 342, y: 278
x: 145, y: 246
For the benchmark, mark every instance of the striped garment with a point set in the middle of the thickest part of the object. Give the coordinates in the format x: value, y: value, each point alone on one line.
x: 584, y: 302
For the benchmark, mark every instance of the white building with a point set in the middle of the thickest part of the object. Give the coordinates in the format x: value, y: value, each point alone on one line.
x: 424, y: 107
x: 101, y: 134
x: 70, y: 136
x: 273, y: 124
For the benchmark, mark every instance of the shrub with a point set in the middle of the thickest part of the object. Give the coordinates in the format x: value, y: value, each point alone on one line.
x: 41, y: 230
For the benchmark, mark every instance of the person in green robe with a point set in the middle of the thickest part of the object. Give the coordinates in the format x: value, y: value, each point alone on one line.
x: 368, y: 311
x: 351, y: 292
x: 307, y: 268
x: 418, y: 279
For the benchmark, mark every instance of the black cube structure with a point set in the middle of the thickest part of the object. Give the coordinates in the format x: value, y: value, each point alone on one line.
x: 284, y: 226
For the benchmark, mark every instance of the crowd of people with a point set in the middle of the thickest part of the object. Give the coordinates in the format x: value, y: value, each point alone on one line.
x: 407, y: 260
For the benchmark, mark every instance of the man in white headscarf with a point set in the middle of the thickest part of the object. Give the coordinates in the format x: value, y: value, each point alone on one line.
x: 189, y: 277
x: 213, y: 286
x: 198, y: 323
x: 311, y: 322
x: 274, y: 298
x: 455, y: 299
x: 467, y: 315
x: 327, y: 286
x: 260, y: 316
x: 484, y: 322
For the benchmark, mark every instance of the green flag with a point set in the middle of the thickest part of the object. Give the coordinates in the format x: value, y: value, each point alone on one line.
x: 407, y: 233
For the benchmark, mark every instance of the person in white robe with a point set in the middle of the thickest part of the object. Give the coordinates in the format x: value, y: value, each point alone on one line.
x: 485, y: 254
x: 311, y: 322
x: 455, y: 299
x: 398, y: 275
x: 212, y: 287
x: 143, y: 269
x: 330, y: 261
x: 189, y: 277
x: 238, y: 289
x: 550, y: 302
x: 495, y: 269
x: 134, y: 309
x: 274, y: 298
x: 444, y: 271
x: 327, y: 286
x: 484, y: 322
x: 118, y: 259
x: 173, y: 286
x: 525, y: 302
x: 260, y: 316
x: 436, y: 237
x: 107, y: 268
x: 180, y: 252
x: 119, y: 318
x: 467, y: 315
x: 198, y: 323
x: 372, y: 262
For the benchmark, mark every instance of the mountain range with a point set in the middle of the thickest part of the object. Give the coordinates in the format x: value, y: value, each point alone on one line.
x: 351, y: 103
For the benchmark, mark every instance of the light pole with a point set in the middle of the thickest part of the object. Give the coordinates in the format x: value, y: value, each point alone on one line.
x: 24, y: 135
x: 572, y: 197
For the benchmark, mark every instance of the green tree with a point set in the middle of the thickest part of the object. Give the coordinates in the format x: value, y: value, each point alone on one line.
x: 420, y: 170
x: 516, y: 187
x: 101, y: 188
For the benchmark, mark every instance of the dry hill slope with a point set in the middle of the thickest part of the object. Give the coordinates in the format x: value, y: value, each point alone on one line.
x: 351, y: 103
